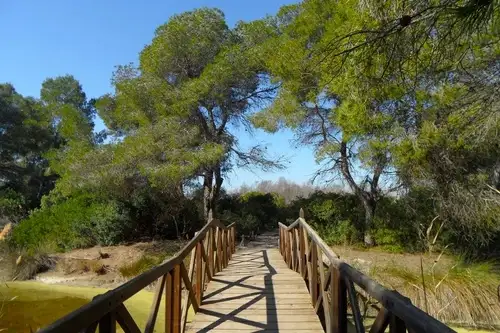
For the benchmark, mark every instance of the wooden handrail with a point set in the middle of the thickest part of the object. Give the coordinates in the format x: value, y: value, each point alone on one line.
x: 305, y: 252
x: 214, y: 239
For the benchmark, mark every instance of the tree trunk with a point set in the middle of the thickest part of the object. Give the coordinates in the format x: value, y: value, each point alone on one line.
x: 369, y: 215
x: 211, y: 192
x: 208, y: 179
x: 366, y: 198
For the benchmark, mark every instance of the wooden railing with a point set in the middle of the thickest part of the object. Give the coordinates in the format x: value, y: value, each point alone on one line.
x: 211, y: 249
x: 332, y: 282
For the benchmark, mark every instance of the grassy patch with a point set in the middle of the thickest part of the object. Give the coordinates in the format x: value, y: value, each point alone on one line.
x: 463, y: 294
x: 32, y: 304
x: 141, y: 265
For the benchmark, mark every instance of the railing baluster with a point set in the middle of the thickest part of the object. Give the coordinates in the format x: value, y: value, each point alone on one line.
x: 396, y: 325
x: 302, y: 252
x: 199, y: 273
x: 292, y: 248
x: 107, y: 324
x: 187, y: 301
x: 169, y: 293
x: 125, y: 320
x: 313, y: 276
x: 381, y: 322
x: 233, y: 231
x: 153, y: 313
x: 324, y: 286
x: 224, y: 249
x: 211, y: 251
x: 177, y: 298
x: 297, y: 249
x: 358, y: 320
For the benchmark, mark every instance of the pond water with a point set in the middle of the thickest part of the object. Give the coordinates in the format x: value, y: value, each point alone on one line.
x: 27, y: 306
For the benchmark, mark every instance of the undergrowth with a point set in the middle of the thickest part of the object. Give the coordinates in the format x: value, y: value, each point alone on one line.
x: 463, y: 294
x: 139, y: 266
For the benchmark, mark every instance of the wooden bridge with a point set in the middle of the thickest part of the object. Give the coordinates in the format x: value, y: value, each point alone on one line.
x: 295, y: 285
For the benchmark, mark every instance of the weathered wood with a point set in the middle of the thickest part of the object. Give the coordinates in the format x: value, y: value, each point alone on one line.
x: 224, y: 249
x: 381, y: 322
x: 256, y: 292
x: 169, y: 302
x: 199, y: 273
x: 189, y: 286
x: 211, y: 245
x: 92, y: 312
x: 206, y: 266
x: 187, y: 301
x: 396, y: 325
x: 313, y: 275
x: 358, y: 320
x: 91, y: 329
x: 233, y: 231
x: 153, y: 313
x: 302, y: 252
x: 297, y: 249
x: 107, y: 324
x: 339, y: 301
x: 126, y: 321
x: 408, y: 314
x: 176, y: 299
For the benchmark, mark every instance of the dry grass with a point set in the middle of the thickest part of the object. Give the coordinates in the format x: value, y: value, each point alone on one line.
x: 70, y: 266
x: 463, y: 295
x: 139, y: 266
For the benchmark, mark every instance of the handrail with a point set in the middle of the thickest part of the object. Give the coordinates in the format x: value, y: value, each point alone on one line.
x: 208, y: 256
x: 332, y: 290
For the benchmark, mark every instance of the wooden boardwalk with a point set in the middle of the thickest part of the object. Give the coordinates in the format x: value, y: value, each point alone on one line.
x: 258, y: 288
x: 257, y: 292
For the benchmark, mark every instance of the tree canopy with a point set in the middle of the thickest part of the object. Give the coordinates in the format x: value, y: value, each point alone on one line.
x: 398, y: 100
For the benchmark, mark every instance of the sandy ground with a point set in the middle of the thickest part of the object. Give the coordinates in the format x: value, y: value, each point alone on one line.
x: 76, y: 268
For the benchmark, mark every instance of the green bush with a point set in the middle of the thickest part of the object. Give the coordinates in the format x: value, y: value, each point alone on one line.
x: 386, y: 236
x: 338, y: 232
x: 80, y: 221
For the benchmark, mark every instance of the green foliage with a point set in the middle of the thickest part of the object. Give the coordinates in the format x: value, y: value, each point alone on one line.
x: 11, y: 203
x: 76, y: 222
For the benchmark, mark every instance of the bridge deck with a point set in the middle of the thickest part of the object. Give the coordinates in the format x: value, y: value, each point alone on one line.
x: 257, y: 292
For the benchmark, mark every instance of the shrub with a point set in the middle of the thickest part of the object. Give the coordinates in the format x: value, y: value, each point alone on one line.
x: 81, y: 221
x: 339, y: 232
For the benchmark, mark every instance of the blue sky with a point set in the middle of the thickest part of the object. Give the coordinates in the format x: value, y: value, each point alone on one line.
x: 87, y: 39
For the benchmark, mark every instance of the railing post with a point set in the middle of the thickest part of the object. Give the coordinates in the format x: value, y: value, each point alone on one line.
x: 338, y: 307
x: 211, y: 245
x: 233, y: 231
x: 302, y: 252
x: 199, y: 273
x: 313, y: 279
x: 169, y: 293
x: 173, y: 301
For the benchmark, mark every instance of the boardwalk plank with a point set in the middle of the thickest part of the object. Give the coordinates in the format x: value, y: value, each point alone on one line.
x: 257, y: 292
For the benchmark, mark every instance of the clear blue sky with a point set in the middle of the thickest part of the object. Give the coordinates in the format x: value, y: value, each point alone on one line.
x: 42, y: 39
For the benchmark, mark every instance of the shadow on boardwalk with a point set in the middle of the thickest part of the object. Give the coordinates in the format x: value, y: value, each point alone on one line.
x: 257, y: 292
